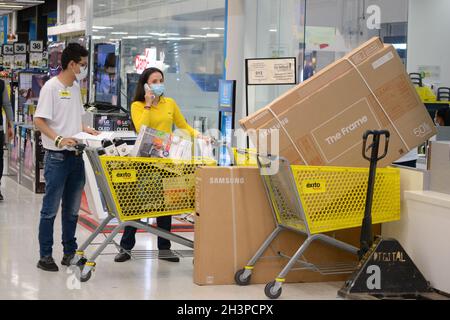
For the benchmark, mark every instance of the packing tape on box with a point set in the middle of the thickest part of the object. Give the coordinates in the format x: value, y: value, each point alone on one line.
x: 233, y: 209
x: 377, y: 100
x: 289, y: 136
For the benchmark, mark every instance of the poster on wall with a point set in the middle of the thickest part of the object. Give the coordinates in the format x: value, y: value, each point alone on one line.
x: 20, y: 61
x: 430, y: 73
x: 271, y: 71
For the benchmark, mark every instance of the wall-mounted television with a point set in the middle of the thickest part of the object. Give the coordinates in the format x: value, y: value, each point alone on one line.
x: 107, y: 74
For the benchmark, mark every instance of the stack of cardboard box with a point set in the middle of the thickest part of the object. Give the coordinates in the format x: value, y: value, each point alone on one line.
x: 320, y: 122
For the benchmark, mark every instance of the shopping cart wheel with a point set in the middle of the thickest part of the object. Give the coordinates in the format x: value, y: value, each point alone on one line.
x: 269, y: 293
x: 86, y: 277
x: 239, y: 280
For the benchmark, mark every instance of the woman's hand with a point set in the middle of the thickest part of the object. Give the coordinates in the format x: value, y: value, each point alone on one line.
x: 91, y: 131
x: 207, y: 139
x: 149, y: 98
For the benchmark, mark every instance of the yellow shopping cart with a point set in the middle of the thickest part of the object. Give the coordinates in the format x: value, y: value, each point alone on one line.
x: 140, y: 188
x: 314, y: 200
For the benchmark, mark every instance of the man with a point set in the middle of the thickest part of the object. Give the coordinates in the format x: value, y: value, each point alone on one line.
x: 5, y: 104
x: 58, y: 117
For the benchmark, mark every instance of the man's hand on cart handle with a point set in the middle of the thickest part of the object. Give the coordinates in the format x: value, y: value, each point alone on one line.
x: 68, y: 142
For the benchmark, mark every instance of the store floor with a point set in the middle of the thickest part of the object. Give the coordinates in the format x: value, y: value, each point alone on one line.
x: 138, y: 279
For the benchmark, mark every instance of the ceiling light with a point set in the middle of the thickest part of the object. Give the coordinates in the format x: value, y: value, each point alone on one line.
x: 273, y: 30
x: 400, y: 46
x: 119, y: 32
x: 212, y: 35
x: 101, y: 27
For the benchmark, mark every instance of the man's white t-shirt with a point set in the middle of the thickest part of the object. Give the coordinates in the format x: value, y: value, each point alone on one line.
x: 62, y: 107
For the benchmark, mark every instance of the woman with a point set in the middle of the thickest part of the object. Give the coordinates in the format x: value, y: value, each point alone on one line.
x: 152, y: 109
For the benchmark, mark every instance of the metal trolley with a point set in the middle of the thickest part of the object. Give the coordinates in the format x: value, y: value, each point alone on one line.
x: 314, y: 200
x: 140, y: 188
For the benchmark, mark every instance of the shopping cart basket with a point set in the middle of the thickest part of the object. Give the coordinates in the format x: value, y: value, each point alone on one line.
x: 140, y: 188
x: 313, y: 200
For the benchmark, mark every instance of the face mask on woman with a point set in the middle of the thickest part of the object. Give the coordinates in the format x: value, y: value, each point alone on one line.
x: 158, y: 89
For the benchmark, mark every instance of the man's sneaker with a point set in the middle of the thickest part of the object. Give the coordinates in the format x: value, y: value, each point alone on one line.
x: 168, y: 255
x: 47, y: 264
x: 122, y: 256
x: 67, y: 258
x: 1, y: 196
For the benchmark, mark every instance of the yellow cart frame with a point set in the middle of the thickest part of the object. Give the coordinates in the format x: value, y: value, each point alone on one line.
x: 140, y: 188
x: 313, y: 200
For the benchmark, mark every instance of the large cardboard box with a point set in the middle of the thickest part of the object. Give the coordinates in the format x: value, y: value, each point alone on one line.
x: 233, y: 218
x: 322, y: 120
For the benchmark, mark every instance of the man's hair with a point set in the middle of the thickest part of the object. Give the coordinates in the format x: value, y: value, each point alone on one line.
x: 73, y: 52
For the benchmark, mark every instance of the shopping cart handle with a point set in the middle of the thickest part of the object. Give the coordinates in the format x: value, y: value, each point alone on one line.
x: 79, y: 148
x: 375, y: 144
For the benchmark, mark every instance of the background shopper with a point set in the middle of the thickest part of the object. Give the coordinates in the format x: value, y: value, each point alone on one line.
x: 152, y: 109
x: 58, y: 117
x: 5, y: 104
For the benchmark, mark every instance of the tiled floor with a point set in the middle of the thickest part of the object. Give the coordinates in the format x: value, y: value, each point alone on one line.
x: 139, y: 279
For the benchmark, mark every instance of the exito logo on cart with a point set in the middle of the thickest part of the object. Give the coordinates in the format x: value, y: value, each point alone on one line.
x: 314, y: 186
x: 121, y: 176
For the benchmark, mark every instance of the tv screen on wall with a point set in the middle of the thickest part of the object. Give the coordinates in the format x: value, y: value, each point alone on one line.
x: 106, y: 74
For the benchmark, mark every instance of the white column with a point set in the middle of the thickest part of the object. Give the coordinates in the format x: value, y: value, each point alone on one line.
x: 428, y: 45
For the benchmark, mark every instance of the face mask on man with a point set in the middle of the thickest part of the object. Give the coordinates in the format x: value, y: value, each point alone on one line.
x: 83, y: 73
x: 158, y: 89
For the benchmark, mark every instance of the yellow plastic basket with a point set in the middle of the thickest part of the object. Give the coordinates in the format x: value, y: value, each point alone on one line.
x: 334, y: 198
x: 151, y: 187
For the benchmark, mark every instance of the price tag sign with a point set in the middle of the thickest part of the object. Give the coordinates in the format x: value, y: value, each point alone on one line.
x: 8, y: 49
x: 20, y: 48
x: 271, y: 71
x: 36, y: 46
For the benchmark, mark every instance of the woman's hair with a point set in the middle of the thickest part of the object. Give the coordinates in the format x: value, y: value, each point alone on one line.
x: 140, y: 90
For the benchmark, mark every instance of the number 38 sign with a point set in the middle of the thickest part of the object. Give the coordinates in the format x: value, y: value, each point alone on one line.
x: 36, y: 46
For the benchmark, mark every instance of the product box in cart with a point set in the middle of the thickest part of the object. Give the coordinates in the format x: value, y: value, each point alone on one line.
x: 322, y: 120
x: 233, y: 217
x: 158, y: 144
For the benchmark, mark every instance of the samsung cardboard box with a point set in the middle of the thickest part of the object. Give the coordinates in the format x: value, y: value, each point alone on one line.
x: 233, y: 219
x: 322, y: 120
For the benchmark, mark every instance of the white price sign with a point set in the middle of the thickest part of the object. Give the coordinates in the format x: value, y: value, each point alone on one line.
x: 20, y: 48
x: 8, y: 49
x: 272, y: 71
x: 36, y: 46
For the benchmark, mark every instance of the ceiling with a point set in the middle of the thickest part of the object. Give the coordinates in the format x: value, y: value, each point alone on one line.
x: 8, y: 6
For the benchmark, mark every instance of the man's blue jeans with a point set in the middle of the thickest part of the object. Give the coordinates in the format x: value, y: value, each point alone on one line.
x: 64, y: 180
